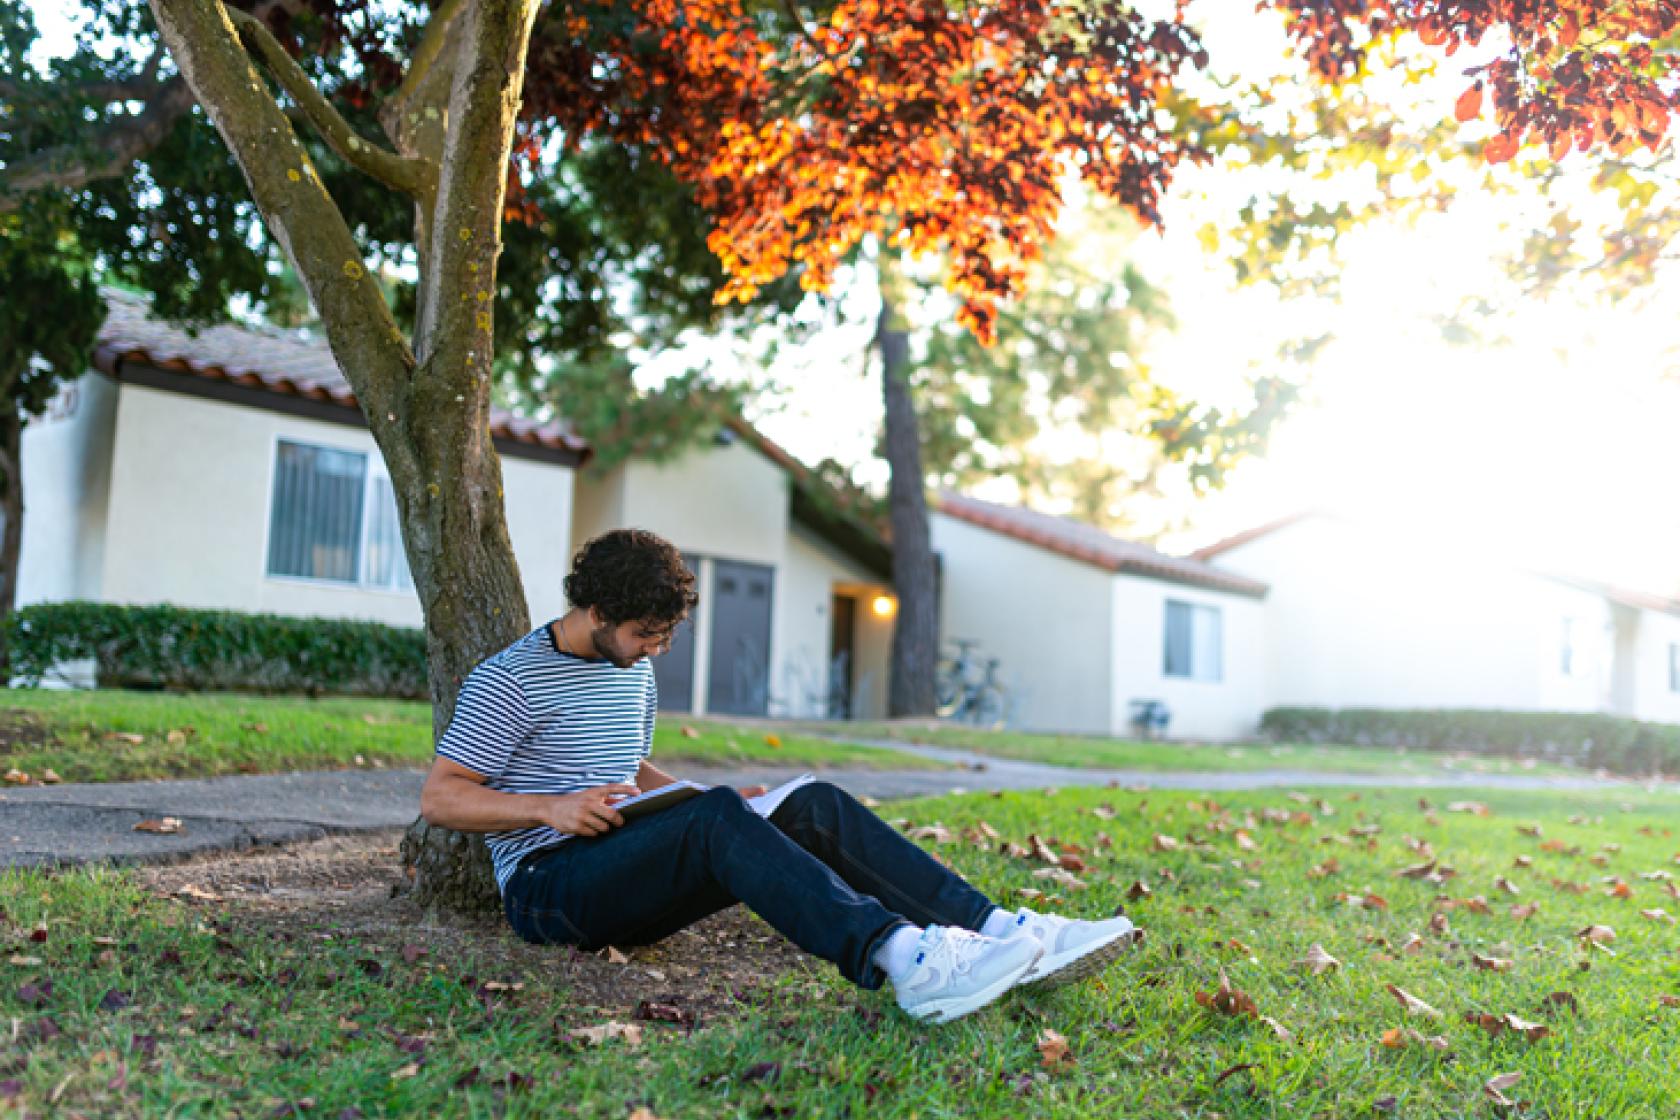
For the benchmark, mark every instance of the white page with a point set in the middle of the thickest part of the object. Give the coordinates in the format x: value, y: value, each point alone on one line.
x: 766, y: 803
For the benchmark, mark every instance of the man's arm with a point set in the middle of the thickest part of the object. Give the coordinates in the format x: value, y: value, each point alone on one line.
x: 455, y: 797
x: 649, y: 776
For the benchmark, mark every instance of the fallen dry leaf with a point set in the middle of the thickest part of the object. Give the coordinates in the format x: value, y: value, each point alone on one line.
x: 161, y: 825
x: 773, y: 741
x: 1525, y: 911
x: 1474, y: 808
x: 1138, y: 889
x: 1399, y: 1038
x: 197, y: 893
x: 1278, y: 1029
x: 631, y: 1033
x: 1053, y: 1052
x: 1504, y: 884
x: 616, y: 957
x: 1412, y: 1004
x: 49, y: 777
x: 1042, y: 850
x: 1318, y: 960
x: 1668, y: 1001
x: 1597, y: 935
x: 1658, y: 916
x: 17, y: 777
x: 1495, y: 1088
x: 1416, y: 870
x: 1562, y: 999
x: 404, y: 1072
x: 938, y: 833
x: 1228, y: 1000
x: 1164, y: 843
x: 1065, y: 878
x: 1491, y: 964
x: 1496, y: 1025
x: 689, y: 732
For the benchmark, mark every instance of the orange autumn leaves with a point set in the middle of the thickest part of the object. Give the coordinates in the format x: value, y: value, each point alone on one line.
x: 935, y: 127
x: 1572, y: 75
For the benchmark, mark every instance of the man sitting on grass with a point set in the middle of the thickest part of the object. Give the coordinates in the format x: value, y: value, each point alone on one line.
x: 549, y: 733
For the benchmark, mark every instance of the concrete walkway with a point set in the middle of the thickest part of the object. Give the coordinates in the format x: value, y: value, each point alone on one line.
x: 74, y: 824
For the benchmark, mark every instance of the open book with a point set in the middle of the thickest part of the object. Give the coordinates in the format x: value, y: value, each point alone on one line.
x: 665, y: 796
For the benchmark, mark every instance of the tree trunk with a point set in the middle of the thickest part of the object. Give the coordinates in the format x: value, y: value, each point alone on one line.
x: 428, y: 406
x: 915, y: 646
x: 11, y: 534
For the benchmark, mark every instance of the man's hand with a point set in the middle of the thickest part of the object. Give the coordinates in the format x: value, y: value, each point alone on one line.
x: 588, y: 812
x: 754, y: 791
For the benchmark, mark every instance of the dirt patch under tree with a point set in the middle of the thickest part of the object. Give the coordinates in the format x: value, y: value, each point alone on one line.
x: 342, y: 886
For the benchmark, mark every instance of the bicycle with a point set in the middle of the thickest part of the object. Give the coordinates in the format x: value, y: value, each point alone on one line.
x: 966, y: 688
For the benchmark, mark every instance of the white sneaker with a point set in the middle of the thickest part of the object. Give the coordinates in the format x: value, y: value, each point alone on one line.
x: 956, y: 972
x: 1073, y: 949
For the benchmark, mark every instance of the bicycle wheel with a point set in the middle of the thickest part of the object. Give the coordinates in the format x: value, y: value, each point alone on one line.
x: 947, y: 688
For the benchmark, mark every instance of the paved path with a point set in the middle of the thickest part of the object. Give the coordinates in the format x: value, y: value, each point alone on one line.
x: 73, y: 824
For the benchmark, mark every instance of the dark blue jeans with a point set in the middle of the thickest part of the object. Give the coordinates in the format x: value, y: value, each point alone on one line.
x: 825, y: 872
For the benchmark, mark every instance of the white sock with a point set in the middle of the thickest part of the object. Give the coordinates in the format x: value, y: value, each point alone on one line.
x: 897, y: 954
x: 999, y: 923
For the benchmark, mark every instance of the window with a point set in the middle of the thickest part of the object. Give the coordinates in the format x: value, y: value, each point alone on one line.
x: 334, y: 518
x: 1674, y: 666
x: 1195, y: 640
x: 1566, y: 648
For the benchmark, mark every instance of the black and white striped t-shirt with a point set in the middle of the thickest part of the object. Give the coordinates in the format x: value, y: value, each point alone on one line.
x: 532, y: 719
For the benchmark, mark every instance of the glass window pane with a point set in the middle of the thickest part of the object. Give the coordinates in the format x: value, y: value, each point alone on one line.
x: 1177, y: 653
x: 315, y: 529
x: 1206, y: 638
x: 387, y: 563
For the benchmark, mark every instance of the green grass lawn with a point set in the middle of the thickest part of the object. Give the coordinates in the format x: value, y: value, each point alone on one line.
x: 106, y: 735
x: 136, y: 1005
x: 1128, y: 754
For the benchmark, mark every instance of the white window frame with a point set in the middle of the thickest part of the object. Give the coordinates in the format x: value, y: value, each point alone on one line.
x: 1674, y: 666
x: 375, y: 472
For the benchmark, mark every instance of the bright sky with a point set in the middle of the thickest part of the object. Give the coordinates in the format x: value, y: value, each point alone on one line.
x: 1558, y: 446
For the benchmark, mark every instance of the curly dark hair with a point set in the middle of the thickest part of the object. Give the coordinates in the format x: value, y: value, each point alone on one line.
x: 632, y: 575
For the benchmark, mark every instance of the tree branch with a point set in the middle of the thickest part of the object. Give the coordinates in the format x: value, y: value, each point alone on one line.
x: 296, y: 208
x: 460, y: 266
x: 406, y: 175
x: 431, y: 46
x: 68, y: 166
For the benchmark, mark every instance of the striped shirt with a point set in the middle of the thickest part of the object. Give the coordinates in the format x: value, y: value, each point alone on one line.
x: 532, y: 719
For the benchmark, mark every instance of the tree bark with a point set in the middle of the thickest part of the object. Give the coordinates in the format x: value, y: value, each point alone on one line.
x: 11, y: 534
x: 429, y: 407
x: 915, y: 645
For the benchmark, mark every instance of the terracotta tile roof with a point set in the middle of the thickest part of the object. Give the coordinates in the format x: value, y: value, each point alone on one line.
x: 269, y: 359
x: 1621, y: 596
x: 1236, y: 540
x: 1091, y: 545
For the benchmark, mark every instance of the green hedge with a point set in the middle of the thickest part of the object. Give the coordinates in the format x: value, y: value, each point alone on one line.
x: 1623, y: 746
x: 171, y: 647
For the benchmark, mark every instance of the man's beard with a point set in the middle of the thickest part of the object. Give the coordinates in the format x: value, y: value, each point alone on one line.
x: 602, y: 641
